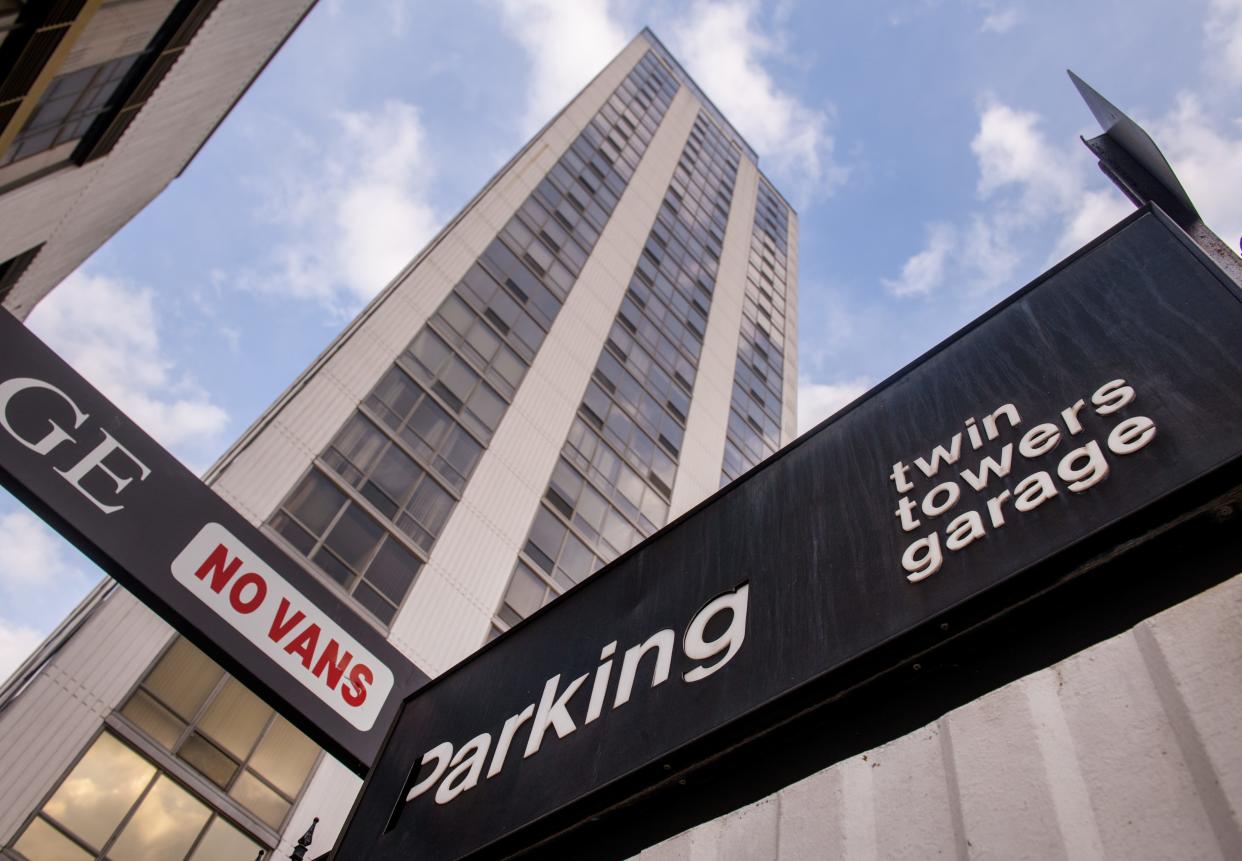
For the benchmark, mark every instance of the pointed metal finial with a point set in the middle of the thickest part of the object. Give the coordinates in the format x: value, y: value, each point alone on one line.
x: 1126, y: 135
x: 304, y: 842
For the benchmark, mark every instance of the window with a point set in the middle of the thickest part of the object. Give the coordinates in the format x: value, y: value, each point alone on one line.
x: 475, y: 403
x: 612, y: 484
x: 336, y: 533
x: 118, y: 804
x: 213, y: 723
x: 68, y: 107
x: 425, y: 428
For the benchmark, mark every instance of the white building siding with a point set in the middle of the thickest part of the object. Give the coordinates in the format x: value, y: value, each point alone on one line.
x: 1128, y: 750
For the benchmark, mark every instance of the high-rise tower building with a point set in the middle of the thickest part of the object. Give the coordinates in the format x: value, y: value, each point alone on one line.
x: 600, y: 339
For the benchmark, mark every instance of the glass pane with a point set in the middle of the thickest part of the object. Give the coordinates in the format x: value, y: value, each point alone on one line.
x: 393, y: 570
x: 333, y: 568
x: 360, y: 441
x: 396, y: 474
x: 431, y: 505
x: 100, y: 790
x: 371, y: 600
x: 354, y: 537
x: 285, y: 757
x: 158, y: 722
x: 315, y: 502
x: 488, y: 406
x: 183, y: 678
x: 235, y: 719
x: 259, y: 800
x: 223, y: 842
x: 463, y: 453
x: 164, y: 826
x: 547, y: 532
x: 428, y: 350
x: 294, y: 534
x: 526, y: 591
x: 208, y: 759
x: 458, y: 378
x: 430, y: 422
x: 42, y: 842
x: 575, y: 558
x: 398, y: 392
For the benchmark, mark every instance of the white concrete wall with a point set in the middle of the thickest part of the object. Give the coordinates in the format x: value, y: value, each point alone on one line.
x: 1131, y: 749
x: 75, y: 210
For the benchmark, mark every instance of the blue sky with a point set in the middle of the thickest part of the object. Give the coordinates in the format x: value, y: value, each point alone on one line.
x: 930, y: 147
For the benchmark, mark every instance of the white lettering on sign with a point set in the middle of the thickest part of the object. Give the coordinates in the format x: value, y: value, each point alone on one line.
x: 1080, y: 469
x: 92, y: 461
x: 464, y: 765
x: 283, y: 623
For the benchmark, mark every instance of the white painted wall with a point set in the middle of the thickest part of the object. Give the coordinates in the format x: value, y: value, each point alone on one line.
x: 1130, y: 749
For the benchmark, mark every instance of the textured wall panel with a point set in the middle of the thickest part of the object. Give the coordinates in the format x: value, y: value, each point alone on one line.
x: 1129, y: 749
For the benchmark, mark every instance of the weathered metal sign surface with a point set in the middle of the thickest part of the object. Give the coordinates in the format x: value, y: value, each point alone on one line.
x: 1108, y: 383
x: 71, y: 455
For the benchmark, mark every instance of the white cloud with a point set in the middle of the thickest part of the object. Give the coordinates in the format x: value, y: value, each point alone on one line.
x: 924, y: 272
x: 568, y: 42
x: 41, y: 577
x: 16, y: 644
x: 1096, y: 212
x: 1013, y: 154
x: 1208, y: 161
x: 34, y: 555
x: 817, y: 401
x: 1000, y: 21
x: 356, y: 210
x: 109, y: 331
x: 723, y: 46
x: 1028, y: 189
x: 1223, y: 28
x: 724, y: 49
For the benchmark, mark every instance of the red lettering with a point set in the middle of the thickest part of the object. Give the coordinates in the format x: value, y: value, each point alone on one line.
x: 220, y: 576
x: 280, y: 627
x: 242, y: 605
x: 355, y: 693
x: 336, y: 668
x: 305, y: 645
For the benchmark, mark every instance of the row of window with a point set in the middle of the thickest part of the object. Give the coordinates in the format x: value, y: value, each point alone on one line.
x: 754, y: 427
x: 120, y: 804
x: 613, y: 482
x: 372, y: 506
x: 68, y: 106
